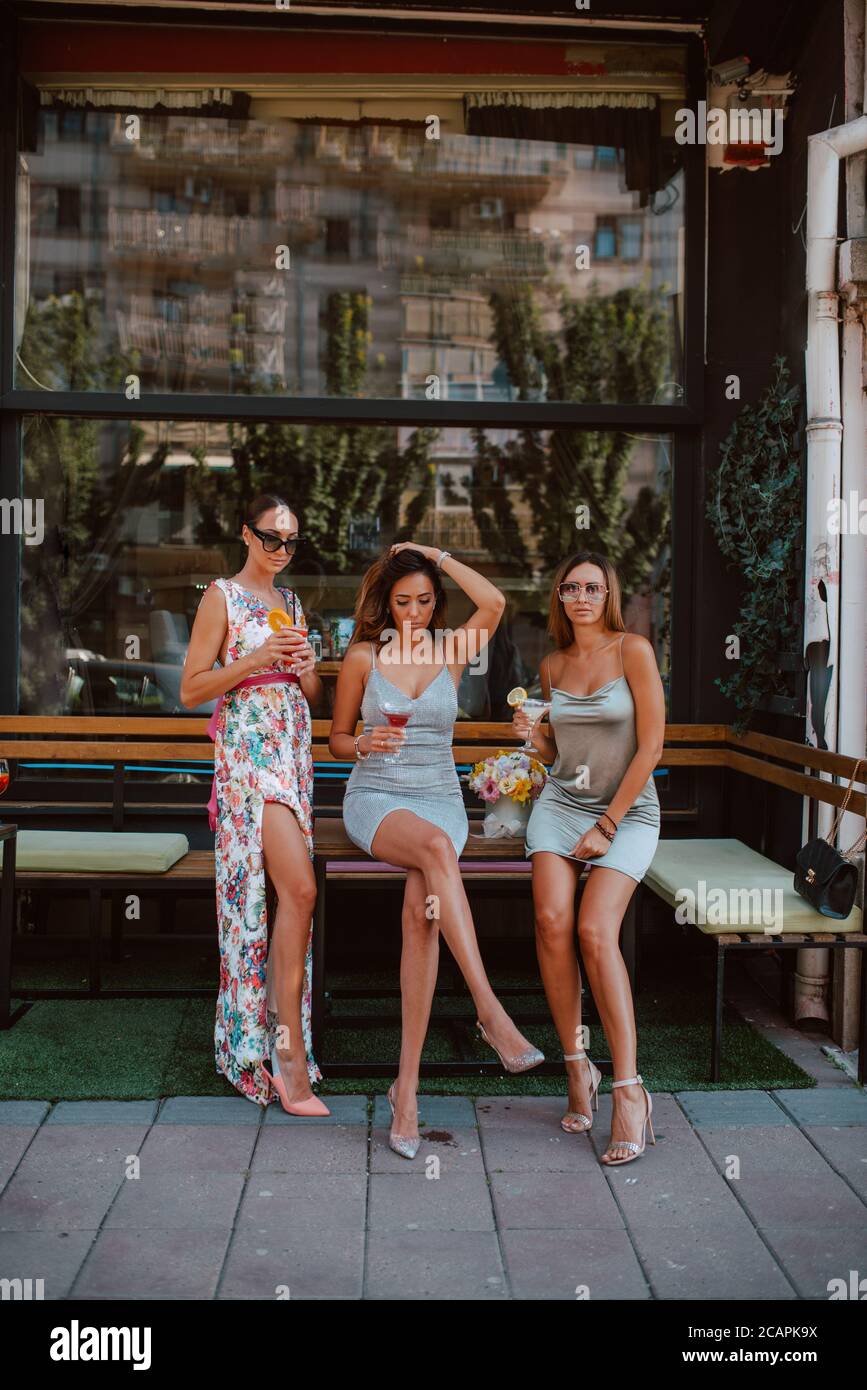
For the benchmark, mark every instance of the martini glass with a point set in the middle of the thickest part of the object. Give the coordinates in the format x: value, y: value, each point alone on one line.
x: 534, y: 710
x: 396, y: 714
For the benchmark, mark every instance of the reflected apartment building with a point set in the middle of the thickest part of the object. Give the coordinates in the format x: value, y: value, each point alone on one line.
x: 219, y: 256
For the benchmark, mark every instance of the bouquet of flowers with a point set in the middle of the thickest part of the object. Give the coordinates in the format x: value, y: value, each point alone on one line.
x: 511, y: 774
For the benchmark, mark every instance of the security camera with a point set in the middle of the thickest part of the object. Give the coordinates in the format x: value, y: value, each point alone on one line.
x: 732, y: 71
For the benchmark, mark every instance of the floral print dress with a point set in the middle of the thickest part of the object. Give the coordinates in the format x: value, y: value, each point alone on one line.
x: 262, y: 753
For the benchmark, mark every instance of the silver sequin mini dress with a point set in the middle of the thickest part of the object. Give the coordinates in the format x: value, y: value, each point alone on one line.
x: 423, y: 779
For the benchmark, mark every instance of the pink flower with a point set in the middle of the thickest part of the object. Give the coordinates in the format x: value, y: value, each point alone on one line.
x: 489, y: 791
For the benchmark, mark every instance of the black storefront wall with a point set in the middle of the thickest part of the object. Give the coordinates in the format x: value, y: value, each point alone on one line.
x: 756, y: 311
x: 747, y: 318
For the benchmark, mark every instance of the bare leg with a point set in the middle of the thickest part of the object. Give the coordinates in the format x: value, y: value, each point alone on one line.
x: 288, y: 866
x: 605, y: 900
x: 406, y: 839
x: 555, y: 881
x: 419, y: 962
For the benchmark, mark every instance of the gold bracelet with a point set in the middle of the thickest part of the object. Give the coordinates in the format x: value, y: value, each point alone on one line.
x: 359, y: 756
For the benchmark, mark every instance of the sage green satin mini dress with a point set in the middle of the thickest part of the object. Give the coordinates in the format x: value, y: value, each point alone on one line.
x: 596, y: 742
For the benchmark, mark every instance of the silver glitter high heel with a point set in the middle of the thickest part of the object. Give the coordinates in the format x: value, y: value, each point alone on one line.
x: 406, y: 1146
x: 524, y: 1060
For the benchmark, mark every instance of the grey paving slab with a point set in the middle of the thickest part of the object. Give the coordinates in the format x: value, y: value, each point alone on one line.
x: 49, y: 1193
x: 812, y: 1258
x: 728, y: 1108
x: 536, y: 1112
x: 413, y: 1202
x: 554, y: 1201
x: 181, y: 1148
x: 524, y: 1149
x: 103, y: 1112
x: 845, y: 1148
x: 825, y: 1106
x: 14, y: 1142
x: 209, y: 1110
x: 821, y: 1203
x: 292, y: 1264
x: 23, y: 1112
x: 442, y: 1150
x: 435, y: 1112
x: 147, y: 1264
x: 658, y: 1198
x: 442, y: 1265
x: 717, y: 1262
x: 592, y: 1264
x: 763, y: 1149
x: 345, y: 1110
x: 98, y: 1146
x: 342, y: 1150
x: 53, y: 1256
x: 304, y: 1202
x: 166, y: 1199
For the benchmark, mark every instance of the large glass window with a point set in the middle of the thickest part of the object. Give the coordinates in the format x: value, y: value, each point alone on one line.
x: 137, y: 518
x: 303, y: 258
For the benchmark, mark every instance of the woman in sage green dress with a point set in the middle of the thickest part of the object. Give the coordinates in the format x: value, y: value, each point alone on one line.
x: 599, y: 807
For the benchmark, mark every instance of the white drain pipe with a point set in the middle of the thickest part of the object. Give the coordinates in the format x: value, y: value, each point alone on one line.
x: 824, y: 484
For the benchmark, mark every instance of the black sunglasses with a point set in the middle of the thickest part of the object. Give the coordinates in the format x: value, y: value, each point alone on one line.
x: 270, y: 542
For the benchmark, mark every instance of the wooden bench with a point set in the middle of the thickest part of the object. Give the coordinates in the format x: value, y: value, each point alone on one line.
x: 767, y: 759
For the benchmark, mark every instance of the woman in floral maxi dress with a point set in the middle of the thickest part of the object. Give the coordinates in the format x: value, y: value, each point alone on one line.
x: 262, y: 756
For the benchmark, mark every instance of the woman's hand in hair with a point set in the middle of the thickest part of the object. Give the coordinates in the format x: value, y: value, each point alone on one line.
x: 430, y: 552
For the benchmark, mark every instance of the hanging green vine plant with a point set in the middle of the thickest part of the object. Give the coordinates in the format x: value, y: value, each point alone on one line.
x: 756, y: 509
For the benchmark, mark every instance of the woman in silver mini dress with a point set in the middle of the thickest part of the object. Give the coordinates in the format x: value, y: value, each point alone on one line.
x: 599, y: 806
x: 410, y: 811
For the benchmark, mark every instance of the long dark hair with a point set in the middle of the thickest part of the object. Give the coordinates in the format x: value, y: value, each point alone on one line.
x: 372, y: 615
x: 559, y: 626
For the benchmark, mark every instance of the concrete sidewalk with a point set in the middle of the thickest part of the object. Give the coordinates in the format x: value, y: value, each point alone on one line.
x: 233, y: 1202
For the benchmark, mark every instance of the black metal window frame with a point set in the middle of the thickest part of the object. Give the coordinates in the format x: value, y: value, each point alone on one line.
x: 682, y: 420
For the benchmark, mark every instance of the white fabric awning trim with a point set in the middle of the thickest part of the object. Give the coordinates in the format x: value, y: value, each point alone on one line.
x: 140, y: 97
x: 546, y: 100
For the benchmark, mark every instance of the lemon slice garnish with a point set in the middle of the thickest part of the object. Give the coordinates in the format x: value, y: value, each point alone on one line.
x: 516, y: 697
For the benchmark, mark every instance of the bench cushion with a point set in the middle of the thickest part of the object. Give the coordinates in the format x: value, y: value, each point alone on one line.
x: 756, y: 894
x: 98, y: 851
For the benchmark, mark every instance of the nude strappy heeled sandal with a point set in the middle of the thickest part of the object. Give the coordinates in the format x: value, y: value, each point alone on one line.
x: 595, y: 1078
x: 637, y: 1149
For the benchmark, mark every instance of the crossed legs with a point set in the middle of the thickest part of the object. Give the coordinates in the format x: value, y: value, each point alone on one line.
x: 406, y: 839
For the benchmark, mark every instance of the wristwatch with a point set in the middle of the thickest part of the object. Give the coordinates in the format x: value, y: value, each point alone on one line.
x: 443, y: 555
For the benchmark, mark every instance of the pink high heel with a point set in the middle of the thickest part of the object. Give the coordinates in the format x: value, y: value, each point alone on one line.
x: 313, y: 1106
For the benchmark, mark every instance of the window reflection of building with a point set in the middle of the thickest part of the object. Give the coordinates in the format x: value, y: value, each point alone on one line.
x: 173, y: 238
x: 175, y: 235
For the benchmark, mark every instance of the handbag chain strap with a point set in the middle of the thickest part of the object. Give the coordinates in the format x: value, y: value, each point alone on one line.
x: 832, y: 833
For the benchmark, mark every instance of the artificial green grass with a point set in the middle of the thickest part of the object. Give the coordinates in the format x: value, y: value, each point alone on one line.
x: 146, y: 1048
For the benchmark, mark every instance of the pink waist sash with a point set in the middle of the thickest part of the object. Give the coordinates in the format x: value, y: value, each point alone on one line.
x: 262, y: 678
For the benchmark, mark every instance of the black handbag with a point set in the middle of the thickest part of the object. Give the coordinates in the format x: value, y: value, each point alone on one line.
x: 824, y: 876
